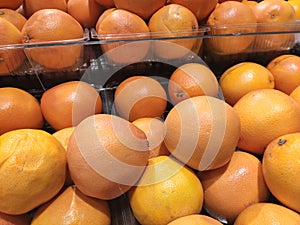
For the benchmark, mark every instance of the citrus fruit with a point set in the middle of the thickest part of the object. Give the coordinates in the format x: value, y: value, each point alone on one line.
x: 11, y: 4
x: 250, y: 2
x: 33, y: 169
x: 86, y: 12
x: 32, y: 6
x: 23, y: 219
x: 19, y: 109
x: 234, y: 16
x: 195, y: 219
x: 271, y: 16
x: 268, y: 214
x: 243, y: 77
x: 192, y: 79
x: 201, y: 8
x: 73, y: 207
x: 174, y: 21
x: 281, y: 163
x: 296, y: 94
x: 167, y: 190
x: 296, y: 6
x: 140, y: 96
x: 154, y: 130
x: 202, y: 132
x: 48, y: 25
x: 68, y: 103
x: 265, y: 114
x: 126, y: 27
x: 238, y: 184
x: 14, y: 17
x: 142, y: 8
x: 285, y: 69
x: 10, y: 58
x: 100, y: 143
x: 106, y: 3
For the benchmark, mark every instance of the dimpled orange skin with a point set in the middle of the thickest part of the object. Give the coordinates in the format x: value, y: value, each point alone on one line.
x: 265, y: 114
x: 281, y: 165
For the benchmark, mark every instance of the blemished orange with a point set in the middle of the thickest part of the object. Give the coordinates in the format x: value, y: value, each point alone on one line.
x: 14, y: 17
x: 73, y: 207
x: 167, y: 190
x: 100, y: 143
x: 265, y: 114
x: 11, y: 58
x: 267, y: 213
x: 47, y: 25
x: 202, y: 132
x: 201, y: 8
x: 106, y: 3
x: 33, y: 169
x: 142, y: 8
x: 126, y: 26
x: 296, y: 94
x: 281, y: 163
x: 238, y: 184
x: 32, y: 6
x: 192, y: 79
x: 286, y: 71
x: 243, y: 77
x: 11, y: 4
x: 63, y: 137
x: 195, y: 219
x: 271, y: 16
x: 86, y: 12
x: 169, y: 21
x: 230, y: 14
x: 68, y: 103
x: 140, y: 96
x: 19, y: 109
x: 23, y: 219
x: 155, y: 132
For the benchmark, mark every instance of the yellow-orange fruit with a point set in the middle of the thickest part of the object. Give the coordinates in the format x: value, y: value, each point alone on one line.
x: 23, y: 219
x: 195, y: 219
x: 32, y: 6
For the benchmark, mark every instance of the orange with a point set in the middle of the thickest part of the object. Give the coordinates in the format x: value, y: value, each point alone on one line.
x: 202, y: 132
x: 33, y: 169
x: 140, y: 96
x: 86, y: 12
x: 265, y: 114
x: 127, y: 26
x: 243, y: 77
x: 68, y: 103
x: 19, y: 109
x: 230, y: 17
x: 10, y: 58
x: 154, y: 130
x: 32, y: 6
x: 23, y: 219
x: 106, y: 3
x: 267, y: 213
x: 143, y: 8
x: 48, y: 25
x: 249, y: 2
x: 195, y: 219
x: 201, y: 8
x: 167, y: 190
x: 271, y: 16
x: 174, y: 21
x: 236, y: 185
x: 296, y: 6
x: 281, y: 164
x: 14, y: 17
x: 286, y: 71
x: 192, y: 79
x: 63, y: 137
x: 106, y: 156
x: 11, y: 4
x: 73, y: 207
x: 296, y: 94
